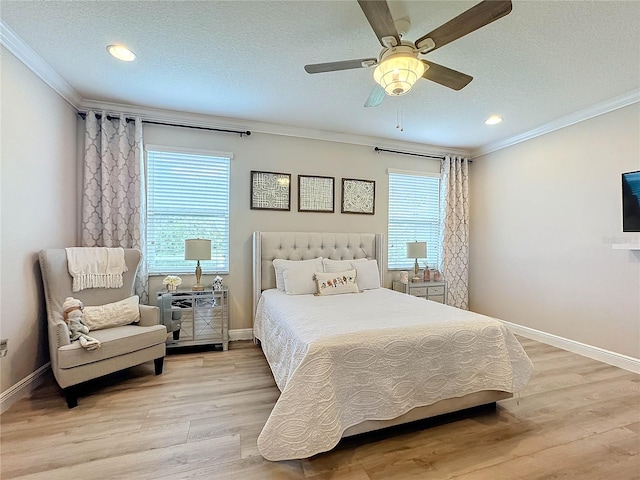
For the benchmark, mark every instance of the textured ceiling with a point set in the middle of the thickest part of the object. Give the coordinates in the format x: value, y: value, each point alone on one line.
x: 244, y: 60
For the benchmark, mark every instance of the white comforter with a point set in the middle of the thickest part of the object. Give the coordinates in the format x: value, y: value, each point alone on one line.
x: 343, y: 359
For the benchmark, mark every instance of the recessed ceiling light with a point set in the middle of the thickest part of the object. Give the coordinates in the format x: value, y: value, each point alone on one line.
x: 493, y: 120
x: 121, y: 53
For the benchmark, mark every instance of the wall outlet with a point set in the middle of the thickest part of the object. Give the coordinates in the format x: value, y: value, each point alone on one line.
x: 3, y: 346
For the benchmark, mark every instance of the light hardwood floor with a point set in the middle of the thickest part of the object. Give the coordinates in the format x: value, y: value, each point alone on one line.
x: 200, y: 419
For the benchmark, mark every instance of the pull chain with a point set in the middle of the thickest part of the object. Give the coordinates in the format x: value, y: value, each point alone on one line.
x: 400, y: 120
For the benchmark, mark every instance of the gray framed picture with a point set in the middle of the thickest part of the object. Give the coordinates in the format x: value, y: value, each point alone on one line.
x: 358, y: 196
x: 270, y: 191
x: 316, y: 193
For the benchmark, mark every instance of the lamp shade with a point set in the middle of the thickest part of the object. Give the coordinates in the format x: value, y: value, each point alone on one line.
x: 197, y: 249
x: 416, y: 249
x: 399, y: 71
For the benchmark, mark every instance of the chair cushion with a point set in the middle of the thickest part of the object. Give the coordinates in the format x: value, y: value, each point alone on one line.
x: 115, y: 341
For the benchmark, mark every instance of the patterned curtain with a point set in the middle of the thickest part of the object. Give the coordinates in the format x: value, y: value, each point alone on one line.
x: 114, y: 193
x: 454, y: 231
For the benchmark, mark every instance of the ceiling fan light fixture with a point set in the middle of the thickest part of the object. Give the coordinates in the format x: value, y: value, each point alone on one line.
x: 121, y: 53
x: 399, y: 70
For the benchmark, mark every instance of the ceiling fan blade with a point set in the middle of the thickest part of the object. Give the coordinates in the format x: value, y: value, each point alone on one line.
x: 476, y: 17
x: 380, y: 19
x: 344, y: 65
x: 375, y: 97
x: 446, y: 76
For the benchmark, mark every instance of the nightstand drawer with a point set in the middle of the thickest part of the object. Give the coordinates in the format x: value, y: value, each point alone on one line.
x: 418, y: 291
x: 436, y: 291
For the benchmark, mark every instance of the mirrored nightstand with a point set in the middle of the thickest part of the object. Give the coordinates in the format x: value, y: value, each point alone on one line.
x: 195, y: 318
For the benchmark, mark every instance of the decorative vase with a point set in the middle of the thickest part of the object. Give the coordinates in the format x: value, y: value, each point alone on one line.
x: 404, y: 277
x: 426, y: 275
x: 437, y: 276
x: 171, y: 288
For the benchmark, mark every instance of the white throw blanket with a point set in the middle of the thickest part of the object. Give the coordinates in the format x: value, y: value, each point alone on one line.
x: 96, y: 267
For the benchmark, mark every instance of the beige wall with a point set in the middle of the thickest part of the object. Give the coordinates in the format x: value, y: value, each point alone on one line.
x: 544, y: 214
x: 38, y: 208
x: 289, y: 155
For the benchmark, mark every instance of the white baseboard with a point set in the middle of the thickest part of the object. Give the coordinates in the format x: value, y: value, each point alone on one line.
x: 241, y: 334
x: 611, y: 358
x: 23, y: 388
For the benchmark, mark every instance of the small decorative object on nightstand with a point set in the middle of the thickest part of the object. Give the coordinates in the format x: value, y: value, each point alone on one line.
x: 172, y: 282
x: 197, y: 249
x: 217, y: 283
x: 416, y: 250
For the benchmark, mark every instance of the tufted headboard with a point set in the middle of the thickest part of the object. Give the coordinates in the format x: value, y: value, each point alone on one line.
x: 268, y: 246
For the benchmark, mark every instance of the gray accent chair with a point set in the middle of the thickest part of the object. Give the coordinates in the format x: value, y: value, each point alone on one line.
x: 122, y: 347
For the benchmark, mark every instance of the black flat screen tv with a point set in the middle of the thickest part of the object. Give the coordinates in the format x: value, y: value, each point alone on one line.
x: 631, y: 202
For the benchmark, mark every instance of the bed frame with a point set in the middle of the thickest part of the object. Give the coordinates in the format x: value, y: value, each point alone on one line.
x: 268, y: 246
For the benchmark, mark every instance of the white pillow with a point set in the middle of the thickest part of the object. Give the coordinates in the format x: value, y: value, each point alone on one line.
x: 280, y: 264
x: 335, y: 283
x: 338, y: 265
x: 114, y: 314
x: 368, y: 274
x: 299, y: 281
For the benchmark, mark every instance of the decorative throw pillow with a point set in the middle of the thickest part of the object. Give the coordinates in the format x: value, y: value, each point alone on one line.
x: 334, y: 283
x: 299, y: 266
x: 114, y: 314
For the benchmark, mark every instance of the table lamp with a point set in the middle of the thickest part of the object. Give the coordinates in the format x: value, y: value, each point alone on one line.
x: 416, y: 250
x: 197, y: 249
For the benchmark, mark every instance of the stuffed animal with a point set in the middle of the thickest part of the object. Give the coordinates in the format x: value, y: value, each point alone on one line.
x: 73, y: 314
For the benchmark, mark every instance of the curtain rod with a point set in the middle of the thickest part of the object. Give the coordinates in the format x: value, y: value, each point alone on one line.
x: 237, y: 132
x: 378, y: 149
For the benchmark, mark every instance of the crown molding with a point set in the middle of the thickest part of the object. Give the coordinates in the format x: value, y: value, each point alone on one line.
x: 210, y: 121
x: 14, y: 44
x: 607, y: 106
x: 37, y: 65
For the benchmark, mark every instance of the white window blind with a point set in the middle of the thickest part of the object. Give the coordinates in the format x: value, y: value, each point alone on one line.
x: 188, y: 197
x: 414, y: 215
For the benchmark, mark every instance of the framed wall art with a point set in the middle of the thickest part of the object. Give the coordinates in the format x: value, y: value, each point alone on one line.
x: 358, y: 196
x: 270, y: 191
x: 316, y: 194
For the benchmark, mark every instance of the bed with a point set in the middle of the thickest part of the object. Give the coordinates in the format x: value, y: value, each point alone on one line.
x: 356, y: 362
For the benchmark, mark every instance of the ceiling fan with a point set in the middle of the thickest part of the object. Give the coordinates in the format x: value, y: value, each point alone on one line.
x: 398, y: 67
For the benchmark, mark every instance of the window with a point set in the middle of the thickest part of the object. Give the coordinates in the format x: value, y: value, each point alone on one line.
x: 414, y: 215
x: 188, y: 197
